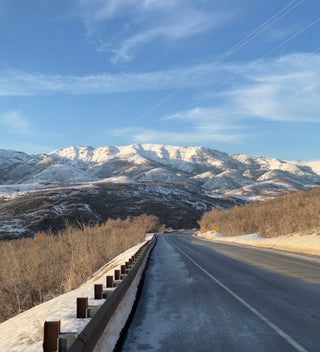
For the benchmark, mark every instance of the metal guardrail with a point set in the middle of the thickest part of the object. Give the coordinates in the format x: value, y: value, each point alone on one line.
x: 90, y: 335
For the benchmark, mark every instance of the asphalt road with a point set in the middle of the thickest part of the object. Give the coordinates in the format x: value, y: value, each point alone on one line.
x: 204, y: 296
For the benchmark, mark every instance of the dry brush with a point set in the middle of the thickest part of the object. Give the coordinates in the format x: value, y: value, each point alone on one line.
x: 33, y: 270
x: 287, y: 214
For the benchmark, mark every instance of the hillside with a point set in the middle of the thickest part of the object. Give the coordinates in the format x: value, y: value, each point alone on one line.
x: 178, y: 184
x: 297, y: 212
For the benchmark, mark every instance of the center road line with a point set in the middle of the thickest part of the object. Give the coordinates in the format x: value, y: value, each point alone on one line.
x: 274, y: 327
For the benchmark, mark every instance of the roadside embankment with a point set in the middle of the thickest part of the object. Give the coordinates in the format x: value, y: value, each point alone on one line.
x: 298, y: 242
x: 24, y: 332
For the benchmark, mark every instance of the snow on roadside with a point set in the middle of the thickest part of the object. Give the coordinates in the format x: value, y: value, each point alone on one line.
x: 302, y: 243
x: 24, y: 332
x: 110, y: 336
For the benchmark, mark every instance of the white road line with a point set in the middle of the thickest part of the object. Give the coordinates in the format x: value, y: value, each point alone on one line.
x: 274, y: 327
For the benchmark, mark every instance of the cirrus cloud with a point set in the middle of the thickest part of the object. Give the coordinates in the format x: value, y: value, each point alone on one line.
x: 280, y: 89
x: 146, y: 21
x: 14, y: 120
x: 285, y: 89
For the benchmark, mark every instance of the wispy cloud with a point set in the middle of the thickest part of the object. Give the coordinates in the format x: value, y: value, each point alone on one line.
x: 292, y: 98
x: 186, y: 25
x: 285, y: 89
x: 282, y: 89
x: 19, y: 131
x: 279, y: 89
x: 17, y: 83
x: 279, y: 33
x: 146, y: 21
x: 14, y: 121
x: 196, y: 126
x: 144, y: 135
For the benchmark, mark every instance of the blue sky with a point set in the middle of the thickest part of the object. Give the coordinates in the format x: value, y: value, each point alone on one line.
x: 237, y: 76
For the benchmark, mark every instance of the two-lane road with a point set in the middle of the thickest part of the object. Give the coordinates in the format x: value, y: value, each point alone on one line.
x: 203, y: 296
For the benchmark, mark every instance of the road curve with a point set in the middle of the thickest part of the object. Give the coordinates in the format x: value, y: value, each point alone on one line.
x: 204, y: 296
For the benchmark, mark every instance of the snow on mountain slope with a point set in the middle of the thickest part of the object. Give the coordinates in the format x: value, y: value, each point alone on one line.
x: 162, y: 175
x: 313, y: 165
x: 209, y: 169
x: 8, y: 157
x: 227, y: 180
x: 177, y: 184
x: 60, y: 173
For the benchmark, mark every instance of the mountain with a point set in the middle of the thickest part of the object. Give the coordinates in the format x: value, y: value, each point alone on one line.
x: 176, y: 183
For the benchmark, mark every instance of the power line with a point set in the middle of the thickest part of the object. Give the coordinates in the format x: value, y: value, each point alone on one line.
x: 264, y: 56
x: 273, y: 19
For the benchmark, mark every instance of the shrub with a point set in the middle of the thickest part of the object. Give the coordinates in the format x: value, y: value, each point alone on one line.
x: 33, y: 270
x: 287, y: 214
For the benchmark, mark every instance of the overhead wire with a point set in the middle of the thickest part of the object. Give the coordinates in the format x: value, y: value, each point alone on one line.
x: 260, y: 29
x: 275, y: 18
x: 261, y: 58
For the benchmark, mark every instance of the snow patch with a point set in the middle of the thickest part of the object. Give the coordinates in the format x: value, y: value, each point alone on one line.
x: 15, y: 226
x: 299, y: 242
x: 116, y: 179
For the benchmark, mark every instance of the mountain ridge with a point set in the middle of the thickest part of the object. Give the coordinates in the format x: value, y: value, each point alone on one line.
x: 178, y: 184
x: 208, y: 168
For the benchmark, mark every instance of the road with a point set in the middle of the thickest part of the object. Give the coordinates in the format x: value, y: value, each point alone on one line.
x: 204, y: 296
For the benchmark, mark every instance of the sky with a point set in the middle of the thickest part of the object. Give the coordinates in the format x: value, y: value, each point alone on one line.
x: 235, y: 76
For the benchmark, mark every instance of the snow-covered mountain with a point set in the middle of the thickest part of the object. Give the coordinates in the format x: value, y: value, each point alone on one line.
x: 214, y: 171
x: 154, y: 176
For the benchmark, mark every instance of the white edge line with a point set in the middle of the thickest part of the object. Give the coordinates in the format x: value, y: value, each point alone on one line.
x: 274, y: 327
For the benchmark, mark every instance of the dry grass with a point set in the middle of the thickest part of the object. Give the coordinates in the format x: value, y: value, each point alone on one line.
x: 35, y: 270
x: 287, y: 214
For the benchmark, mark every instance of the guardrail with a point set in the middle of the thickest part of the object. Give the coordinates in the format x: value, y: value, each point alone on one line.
x: 55, y: 341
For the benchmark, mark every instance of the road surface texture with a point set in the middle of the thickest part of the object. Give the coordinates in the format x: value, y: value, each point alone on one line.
x: 204, y: 296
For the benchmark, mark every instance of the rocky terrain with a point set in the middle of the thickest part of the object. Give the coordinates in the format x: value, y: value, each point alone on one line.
x: 85, y: 184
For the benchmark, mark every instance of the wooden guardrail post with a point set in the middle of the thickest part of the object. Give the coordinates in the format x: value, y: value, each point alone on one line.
x: 82, y: 306
x: 90, y: 335
x: 123, y: 269
x: 117, y: 274
x: 109, y: 281
x: 51, y: 333
x: 98, y: 291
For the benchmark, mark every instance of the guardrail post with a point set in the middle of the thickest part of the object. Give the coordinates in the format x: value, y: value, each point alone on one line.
x: 98, y: 291
x: 91, y: 334
x: 123, y: 269
x: 51, y: 332
x: 82, y: 306
x: 117, y: 274
x: 109, y: 282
